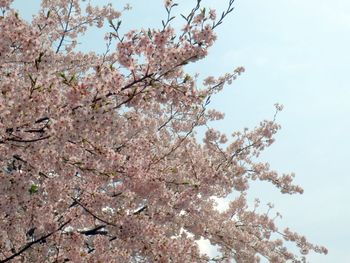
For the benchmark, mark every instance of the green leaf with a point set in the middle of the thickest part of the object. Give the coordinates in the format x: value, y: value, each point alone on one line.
x: 187, y: 78
x: 73, y: 78
x: 174, y: 170
x: 62, y: 75
x: 33, y: 189
x: 49, y: 89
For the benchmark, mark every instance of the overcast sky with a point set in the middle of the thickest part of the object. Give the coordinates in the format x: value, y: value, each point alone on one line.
x: 295, y: 52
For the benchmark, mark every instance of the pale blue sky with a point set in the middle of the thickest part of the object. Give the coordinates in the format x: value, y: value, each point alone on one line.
x: 295, y: 52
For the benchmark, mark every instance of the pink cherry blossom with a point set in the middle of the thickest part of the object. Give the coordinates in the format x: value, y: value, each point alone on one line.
x: 99, y: 156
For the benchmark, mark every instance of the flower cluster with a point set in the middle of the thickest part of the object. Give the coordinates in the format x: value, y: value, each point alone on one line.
x: 99, y: 161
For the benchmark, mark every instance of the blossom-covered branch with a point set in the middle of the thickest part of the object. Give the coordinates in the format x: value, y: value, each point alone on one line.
x: 99, y: 158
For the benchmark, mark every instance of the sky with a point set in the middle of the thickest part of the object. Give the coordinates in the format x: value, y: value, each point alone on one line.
x: 296, y: 53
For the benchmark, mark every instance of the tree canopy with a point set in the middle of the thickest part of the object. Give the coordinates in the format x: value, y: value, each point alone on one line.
x: 99, y: 158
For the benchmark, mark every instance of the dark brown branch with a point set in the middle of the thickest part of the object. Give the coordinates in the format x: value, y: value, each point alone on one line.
x: 28, y: 245
x: 94, y: 231
x: 224, y: 14
x: 169, y: 120
x: 66, y: 27
x: 28, y: 141
x: 137, y: 81
x: 190, y: 17
x: 194, y: 125
x: 92, y: 214
x: 140, y: 210
x: 42, y: 119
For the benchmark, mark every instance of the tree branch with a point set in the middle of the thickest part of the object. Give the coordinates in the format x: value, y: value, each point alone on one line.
x: 66, y: 27
x: 28, y: 245
x: 27, y: 141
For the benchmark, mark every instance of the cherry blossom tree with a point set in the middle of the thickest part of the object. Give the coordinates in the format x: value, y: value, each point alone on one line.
x: 98, y: 153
